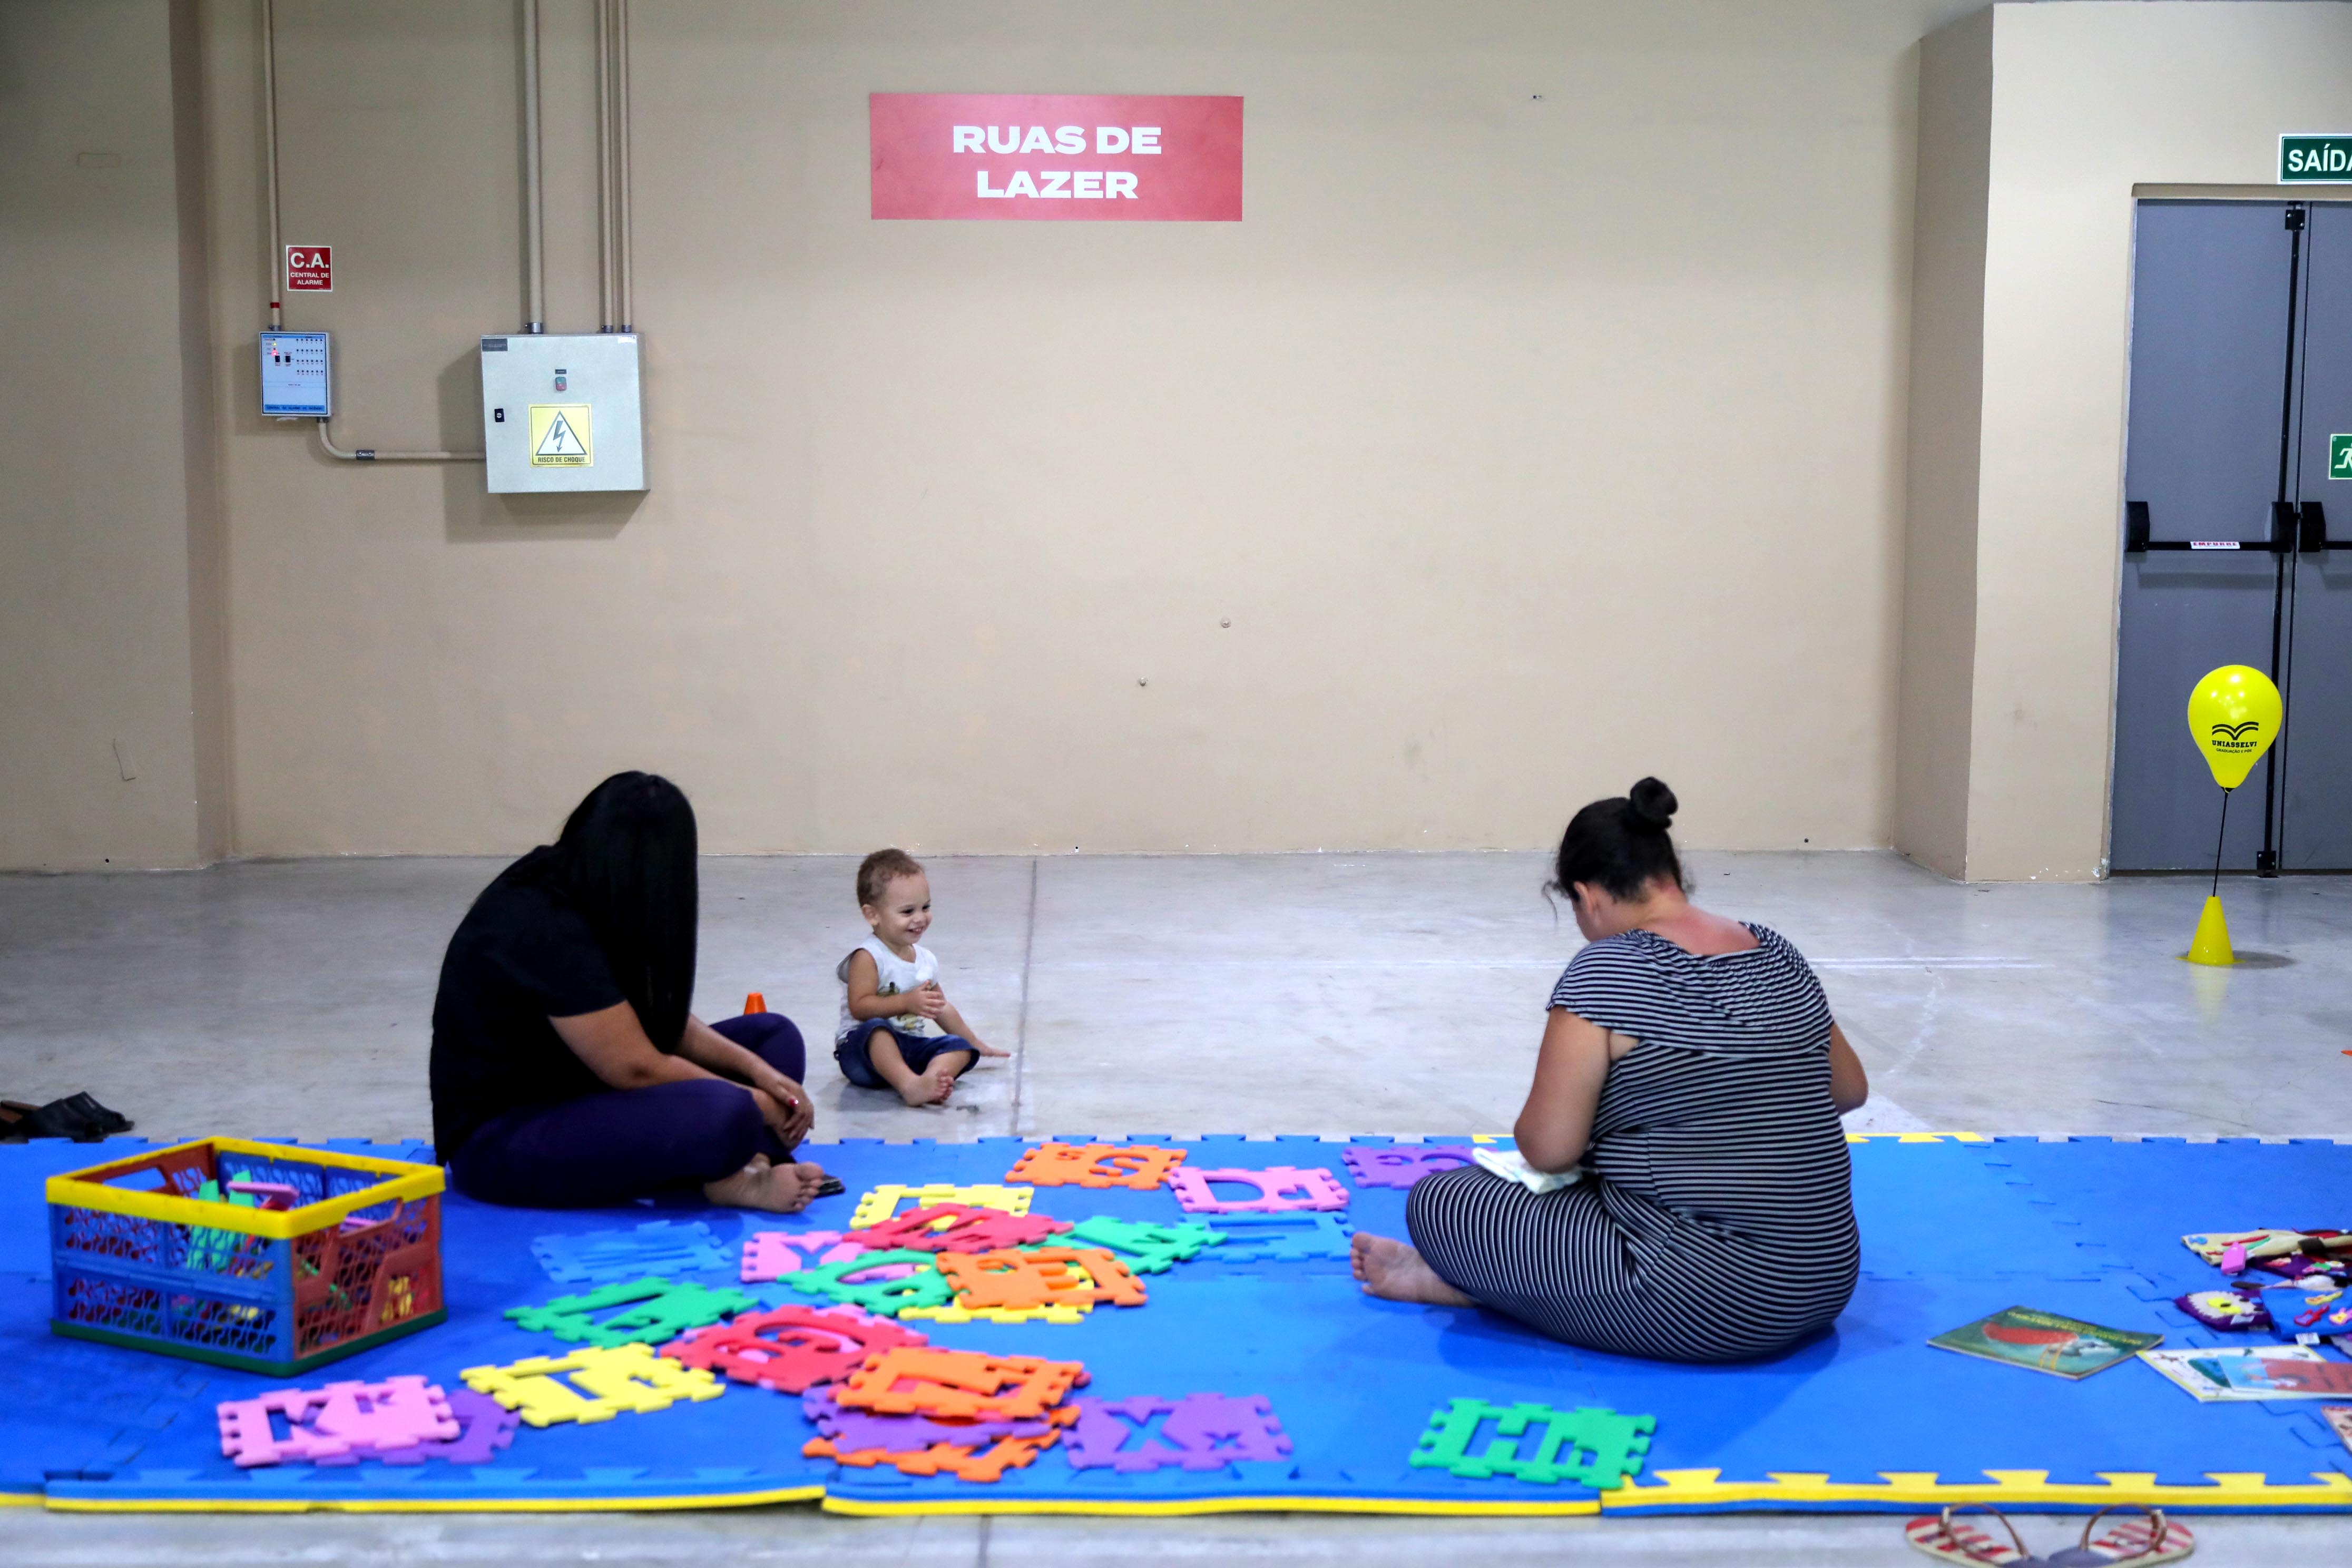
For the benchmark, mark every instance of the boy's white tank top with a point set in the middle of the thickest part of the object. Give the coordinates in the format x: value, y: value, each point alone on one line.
x: 896, y: 976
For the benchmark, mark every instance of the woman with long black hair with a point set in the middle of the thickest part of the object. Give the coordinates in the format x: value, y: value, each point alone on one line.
x: 567, y: 1069
x: 1685, y: 1104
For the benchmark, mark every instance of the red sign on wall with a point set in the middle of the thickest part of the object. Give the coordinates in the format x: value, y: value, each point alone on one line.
x: 1048, y: 156
x: 309, y: 268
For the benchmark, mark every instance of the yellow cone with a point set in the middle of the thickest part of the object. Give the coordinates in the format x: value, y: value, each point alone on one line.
x: 2212, y: 944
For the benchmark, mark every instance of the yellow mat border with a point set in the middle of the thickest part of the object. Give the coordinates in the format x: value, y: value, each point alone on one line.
x: 2231, y: 1490
x: 1918, y: 1137
x: 1170, y: 1507
x: 431, y: 1505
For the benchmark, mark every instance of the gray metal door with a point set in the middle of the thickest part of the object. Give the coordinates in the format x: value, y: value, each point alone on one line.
x: 2209, y: 361
x: 2315, y: 773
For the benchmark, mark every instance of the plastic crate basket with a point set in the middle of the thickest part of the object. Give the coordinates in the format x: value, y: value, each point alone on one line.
x: 140, y: 1260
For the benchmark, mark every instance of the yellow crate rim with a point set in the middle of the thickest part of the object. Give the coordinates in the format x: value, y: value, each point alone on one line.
x: 86, y: 1189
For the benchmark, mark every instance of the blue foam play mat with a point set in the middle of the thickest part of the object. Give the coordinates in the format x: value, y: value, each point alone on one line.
x: 1868, y: 1417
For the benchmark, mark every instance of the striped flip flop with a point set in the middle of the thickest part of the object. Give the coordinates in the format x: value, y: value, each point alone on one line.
x: 2145, y: 1538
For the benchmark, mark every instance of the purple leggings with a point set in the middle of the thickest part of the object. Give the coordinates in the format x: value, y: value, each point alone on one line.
x: 625, y: 1143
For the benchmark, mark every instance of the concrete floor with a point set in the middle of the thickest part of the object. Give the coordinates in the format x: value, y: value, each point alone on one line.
x: 1280, y: 994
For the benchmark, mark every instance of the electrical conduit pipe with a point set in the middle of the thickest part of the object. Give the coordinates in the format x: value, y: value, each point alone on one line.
x: 278, y: 249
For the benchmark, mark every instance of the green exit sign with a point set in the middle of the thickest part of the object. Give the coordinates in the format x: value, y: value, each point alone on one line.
x: 2339, y: 457
x: 2315, y: 160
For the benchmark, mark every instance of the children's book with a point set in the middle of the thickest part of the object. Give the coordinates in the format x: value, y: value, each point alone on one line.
x: 2339, y: 1418
x: 1509, y: 1165
x: 2253, y: 1371
x: 2044, y: 1342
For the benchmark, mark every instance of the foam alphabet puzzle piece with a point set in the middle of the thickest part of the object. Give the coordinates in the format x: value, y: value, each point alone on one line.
x: 328, y: 1423
x: 2251, y: 1246
x: 2225, y: 1308
x: 1400, y: 1165
x: 769, y: 1255
x: 1145, y: 1247
x: 792, y: 1349
x: 652, y: 1309
x: 269, y: 1195
x: 1226, y: 1427
x: 1293, y: 1237
x: 595, y: 1382
x: 396, y: 1412
x: 1012, y: 1281
x: 1202, y: 1432
x: 1106, y: 1432
x: 1280, y: 1188
x: 1106, y: 1280
x: 658, y: 1247
x: 882, y: 1203
x: 959, y: 1385
x: 772, y: 1254
x: 1051, y: 1312
x: 860, y: 1431
x: 1029, y: 1277
x: 955, y: 1460
x: 1591, y: 1445
x: 214, y: 1251
x: 959, y: 1227
x: 920, y: 1287
x: 484, y: 1427
x: 1138, y: 1165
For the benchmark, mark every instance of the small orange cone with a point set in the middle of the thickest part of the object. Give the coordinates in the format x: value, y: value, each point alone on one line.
x: 2211, y: 943
x: 756, y: 1001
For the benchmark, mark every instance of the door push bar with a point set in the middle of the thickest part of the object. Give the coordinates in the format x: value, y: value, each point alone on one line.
x: 2294, y: 531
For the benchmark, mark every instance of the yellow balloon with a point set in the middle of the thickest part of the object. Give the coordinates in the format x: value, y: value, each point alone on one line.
x: 2234, y: 715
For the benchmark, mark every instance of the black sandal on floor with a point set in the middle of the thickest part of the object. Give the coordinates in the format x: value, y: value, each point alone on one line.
x: 59, y: 1118
x: 107, y: 1122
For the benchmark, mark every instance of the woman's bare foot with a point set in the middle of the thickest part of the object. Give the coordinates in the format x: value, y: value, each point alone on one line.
x: 930, y: 1087
x: 1394, y: 1272
x: 776, y: 1189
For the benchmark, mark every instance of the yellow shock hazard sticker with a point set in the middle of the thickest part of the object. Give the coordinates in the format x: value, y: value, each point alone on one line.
x: 561, y: 436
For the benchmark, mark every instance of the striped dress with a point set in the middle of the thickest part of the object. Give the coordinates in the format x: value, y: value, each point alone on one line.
x: 1715, y: 1219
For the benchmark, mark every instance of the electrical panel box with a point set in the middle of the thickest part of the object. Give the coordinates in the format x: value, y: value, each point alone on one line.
x: 560, y: 413
x: 296, y: 383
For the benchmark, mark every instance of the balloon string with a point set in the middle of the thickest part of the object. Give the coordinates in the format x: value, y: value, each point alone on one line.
x: 2217, y: 843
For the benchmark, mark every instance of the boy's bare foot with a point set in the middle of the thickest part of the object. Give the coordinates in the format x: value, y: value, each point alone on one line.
x: 1395, y: 1272
x: 930, y: 1087
x: 775, y: 1189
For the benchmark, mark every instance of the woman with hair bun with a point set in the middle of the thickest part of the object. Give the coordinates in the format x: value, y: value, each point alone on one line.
x: 567, y: 1069
x: 1689, y: 1085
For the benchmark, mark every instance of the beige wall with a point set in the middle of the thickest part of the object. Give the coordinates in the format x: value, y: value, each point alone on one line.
x: 1940, y: 558
x: 2087, y: 101
x: 1544, y: 423
x: 1541, y: 426
x: 102, y: 435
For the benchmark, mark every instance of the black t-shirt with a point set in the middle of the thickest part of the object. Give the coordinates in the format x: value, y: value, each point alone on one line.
x: 521, y: 956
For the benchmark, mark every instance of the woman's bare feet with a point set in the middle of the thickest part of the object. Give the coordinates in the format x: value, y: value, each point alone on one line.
x: 776, y: 1189
x: 931, y: 1086
x: 1395, y: 1272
